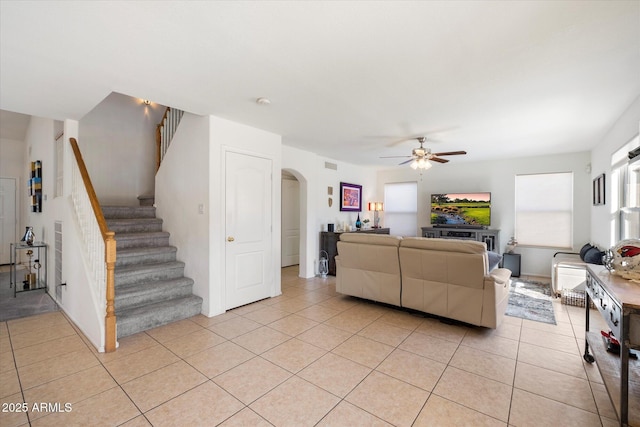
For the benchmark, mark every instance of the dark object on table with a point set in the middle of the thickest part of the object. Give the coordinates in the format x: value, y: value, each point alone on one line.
x: 613, y: 345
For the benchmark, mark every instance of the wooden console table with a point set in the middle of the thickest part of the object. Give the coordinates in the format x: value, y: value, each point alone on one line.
x: 490, y: 236
x: 329, y: 243
x: 618, y: 301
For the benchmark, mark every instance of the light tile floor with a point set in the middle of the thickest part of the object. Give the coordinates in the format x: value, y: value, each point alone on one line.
x: 308, y: 357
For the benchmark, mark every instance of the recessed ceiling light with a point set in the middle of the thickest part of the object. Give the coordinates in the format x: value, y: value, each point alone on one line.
x: 263, y: 101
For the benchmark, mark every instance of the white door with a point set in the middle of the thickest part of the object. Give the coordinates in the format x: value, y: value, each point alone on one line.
x: 7, y: 217
x: 290, y: 222
x: 249, y: 253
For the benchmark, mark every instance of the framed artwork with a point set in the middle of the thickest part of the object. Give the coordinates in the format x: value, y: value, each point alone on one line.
x: 350, y: 197
x: 599, y: 190
x: 35, y: 186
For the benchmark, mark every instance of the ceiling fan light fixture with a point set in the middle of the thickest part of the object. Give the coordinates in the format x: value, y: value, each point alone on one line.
x: 422, y: 164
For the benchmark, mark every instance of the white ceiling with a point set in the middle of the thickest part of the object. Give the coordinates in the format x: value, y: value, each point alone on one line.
x: 346, y: 79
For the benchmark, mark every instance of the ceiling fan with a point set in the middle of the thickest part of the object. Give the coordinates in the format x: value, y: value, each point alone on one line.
x: 420, y: 157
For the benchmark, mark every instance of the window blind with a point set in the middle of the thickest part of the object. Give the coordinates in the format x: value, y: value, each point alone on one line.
x: 544, y: 210
x: 401, y: 208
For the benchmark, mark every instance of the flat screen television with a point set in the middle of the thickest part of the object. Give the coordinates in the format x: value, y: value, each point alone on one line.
x: 461, y: 209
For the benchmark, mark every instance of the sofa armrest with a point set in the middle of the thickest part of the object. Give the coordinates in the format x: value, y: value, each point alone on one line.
x: 495, y: 297
x: 500, y: 275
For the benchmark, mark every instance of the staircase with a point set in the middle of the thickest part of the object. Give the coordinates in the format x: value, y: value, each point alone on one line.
x: 150, y: 286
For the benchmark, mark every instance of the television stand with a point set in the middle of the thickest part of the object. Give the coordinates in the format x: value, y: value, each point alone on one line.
x: 462, y: 227
x: 490, y: 237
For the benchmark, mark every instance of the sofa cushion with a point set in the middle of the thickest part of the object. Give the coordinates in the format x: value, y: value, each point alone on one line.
x: 447, y: 245
x: 371, y: 239
x: 368, y: 267
x: 446, y: 267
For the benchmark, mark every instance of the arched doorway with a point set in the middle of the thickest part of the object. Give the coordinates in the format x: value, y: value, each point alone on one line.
x: 294, y: 222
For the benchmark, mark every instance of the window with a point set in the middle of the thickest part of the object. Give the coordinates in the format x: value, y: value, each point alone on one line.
x: 401, y: 208
x: 544, y: 210
x: 625, y: 201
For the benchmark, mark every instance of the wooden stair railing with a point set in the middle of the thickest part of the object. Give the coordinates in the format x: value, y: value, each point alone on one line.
x: 165, y: 131
x: 108, y: 237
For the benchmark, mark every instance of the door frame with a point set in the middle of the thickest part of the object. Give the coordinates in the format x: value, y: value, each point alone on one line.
x: 282, y: 227
x: 306, y: 266
x: 16, y: 208
x: 275, y: 288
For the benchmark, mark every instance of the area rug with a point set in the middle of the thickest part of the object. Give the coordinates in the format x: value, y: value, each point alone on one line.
x: 24, y: 303
x: 531, y: 300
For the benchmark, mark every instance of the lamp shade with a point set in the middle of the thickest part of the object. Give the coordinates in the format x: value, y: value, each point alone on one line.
x: 376, y: 206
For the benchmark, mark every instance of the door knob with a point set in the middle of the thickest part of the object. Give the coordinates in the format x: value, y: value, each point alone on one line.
x: 230, y: 239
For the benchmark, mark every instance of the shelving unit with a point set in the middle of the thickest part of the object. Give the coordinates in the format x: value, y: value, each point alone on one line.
x: 490, y: 236
x: 36, y: 265
x: 618, y: 301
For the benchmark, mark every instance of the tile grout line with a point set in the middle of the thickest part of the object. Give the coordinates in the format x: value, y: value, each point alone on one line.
x: 571, y: 321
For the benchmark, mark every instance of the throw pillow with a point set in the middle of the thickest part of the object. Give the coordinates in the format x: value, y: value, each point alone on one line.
x: 584, y: 250
x: 593, y: 256
x: 494, y: 259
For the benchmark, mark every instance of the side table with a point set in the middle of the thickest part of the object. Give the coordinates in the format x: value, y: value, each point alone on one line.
x: 512, y: 262
x: 36, y: 273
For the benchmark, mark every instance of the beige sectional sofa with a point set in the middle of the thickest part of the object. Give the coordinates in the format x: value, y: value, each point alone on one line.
x: 367, y: 266
x: 444, y: 277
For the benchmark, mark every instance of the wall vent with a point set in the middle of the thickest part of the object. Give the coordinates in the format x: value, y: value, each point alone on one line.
x: 329, y: 165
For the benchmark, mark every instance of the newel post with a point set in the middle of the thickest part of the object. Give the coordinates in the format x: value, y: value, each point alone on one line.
x: 110, y: 319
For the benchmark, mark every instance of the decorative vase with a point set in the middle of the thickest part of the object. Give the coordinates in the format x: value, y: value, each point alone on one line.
x: 358, y: 223
x: 323, y: 265
x: 29, y: 236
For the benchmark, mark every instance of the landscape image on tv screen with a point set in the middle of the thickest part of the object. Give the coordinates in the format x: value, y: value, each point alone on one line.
x: 461, y: 209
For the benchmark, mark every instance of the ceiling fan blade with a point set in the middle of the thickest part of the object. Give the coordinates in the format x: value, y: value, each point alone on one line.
x: 450, y: 153
x: 393, y: 157
x: 439, y: 160
x: 400, y: 141
x: 405, y: 162
x: 432, y: 131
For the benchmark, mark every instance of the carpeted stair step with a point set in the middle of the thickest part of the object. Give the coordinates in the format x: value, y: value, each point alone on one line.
x: 147, y: 255
x: 139, y: 240
x: 142, y: 273
x: 134, y: 225
x: 146, y: 200
x: 110, y: 212
x: 130, y: 296
x: 150, y: 316
x: 151, y: 289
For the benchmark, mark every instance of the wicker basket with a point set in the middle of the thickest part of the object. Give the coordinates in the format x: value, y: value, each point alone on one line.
x: 574, y: 298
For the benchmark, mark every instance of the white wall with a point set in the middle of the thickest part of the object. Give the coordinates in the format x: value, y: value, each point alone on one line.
x: 12, y: 165
x: 315, y: 179
x: 182, y: 184
x: 77, y: 299
x: 304, y: 165
x: 117, y: 139
x: 625, y: 129
x: 12, y: 161
x: 226, y: 136
x: 39, y: 146
x: 498, y: 177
